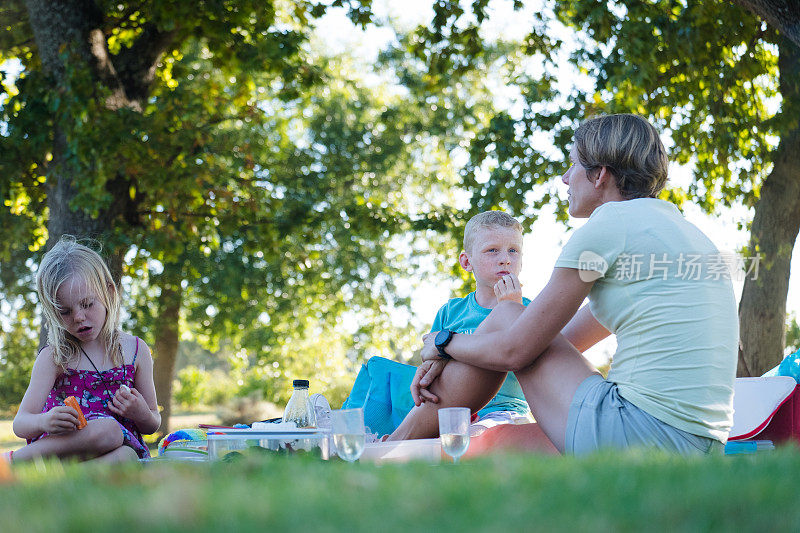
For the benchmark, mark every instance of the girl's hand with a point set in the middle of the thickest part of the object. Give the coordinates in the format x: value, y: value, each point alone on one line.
x: 508, y: 288
x: 129, y: 403
x: 60, y: 419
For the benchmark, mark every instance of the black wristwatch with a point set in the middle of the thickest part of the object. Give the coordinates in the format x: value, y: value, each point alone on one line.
x: 442, y: 339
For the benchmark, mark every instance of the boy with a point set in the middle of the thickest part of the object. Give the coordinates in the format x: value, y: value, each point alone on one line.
x: 493, y: 253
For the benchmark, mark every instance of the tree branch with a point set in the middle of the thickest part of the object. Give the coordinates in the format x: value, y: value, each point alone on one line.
x: 123, y: 17
x: 136, y: 65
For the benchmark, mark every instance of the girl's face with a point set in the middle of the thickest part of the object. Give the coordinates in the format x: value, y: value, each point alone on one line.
x: 82, y: 312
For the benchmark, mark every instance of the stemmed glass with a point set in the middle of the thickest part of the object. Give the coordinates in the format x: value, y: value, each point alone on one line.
x: 347, y: 426
x: 454, y: 430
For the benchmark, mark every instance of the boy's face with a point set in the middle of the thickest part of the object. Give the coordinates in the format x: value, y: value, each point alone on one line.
x: 496, y: 251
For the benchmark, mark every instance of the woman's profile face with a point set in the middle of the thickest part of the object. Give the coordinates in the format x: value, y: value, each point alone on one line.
x: 582, y: 194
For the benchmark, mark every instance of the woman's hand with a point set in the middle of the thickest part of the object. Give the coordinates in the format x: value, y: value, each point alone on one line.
x: 59, y: 420
x: 426, y: 373
x: 129, y: 403
x: 508, y: 288
x: 429, y: 351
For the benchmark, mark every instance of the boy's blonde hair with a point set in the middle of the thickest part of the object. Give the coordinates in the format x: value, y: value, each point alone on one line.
x: 488, y: 219
x: 66, y: 259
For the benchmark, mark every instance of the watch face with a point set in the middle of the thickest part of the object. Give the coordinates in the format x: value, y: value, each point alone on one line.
x: 442, y: 338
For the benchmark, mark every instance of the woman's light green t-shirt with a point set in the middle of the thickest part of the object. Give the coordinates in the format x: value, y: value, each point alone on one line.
x: 665, y: 291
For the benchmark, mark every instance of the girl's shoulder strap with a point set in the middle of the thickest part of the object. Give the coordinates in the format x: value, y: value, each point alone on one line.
x: 136, y: 352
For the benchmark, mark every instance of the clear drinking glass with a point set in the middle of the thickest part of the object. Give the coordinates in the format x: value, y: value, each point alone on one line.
x: 347, y: 428
x: 454, y: 430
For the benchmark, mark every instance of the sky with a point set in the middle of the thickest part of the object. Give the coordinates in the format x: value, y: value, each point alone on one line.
x: 543, y: 243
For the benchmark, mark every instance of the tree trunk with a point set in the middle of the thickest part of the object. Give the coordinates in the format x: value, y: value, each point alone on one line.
x: 781, y: 14
x: 167, y: 333
x: 762, y: 312
x: 72, y: 30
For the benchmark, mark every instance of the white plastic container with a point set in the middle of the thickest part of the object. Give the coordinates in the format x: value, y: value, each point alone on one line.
x: 224, y: 441
x: 427, y: 450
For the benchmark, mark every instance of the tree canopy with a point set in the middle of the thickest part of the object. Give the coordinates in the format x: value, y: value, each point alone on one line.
x: 722, y: 85
x: 253, y: 192
x: 247, y: 188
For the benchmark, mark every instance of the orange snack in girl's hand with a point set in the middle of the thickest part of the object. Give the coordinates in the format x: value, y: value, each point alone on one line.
x: 70, y: 401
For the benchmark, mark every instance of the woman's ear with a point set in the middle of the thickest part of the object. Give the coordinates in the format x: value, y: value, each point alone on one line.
x: 463, y: 260
x: 112, y: 289
x: 603, y: 178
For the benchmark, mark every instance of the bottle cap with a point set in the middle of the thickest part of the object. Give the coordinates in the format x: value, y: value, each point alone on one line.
x: 300, y: 383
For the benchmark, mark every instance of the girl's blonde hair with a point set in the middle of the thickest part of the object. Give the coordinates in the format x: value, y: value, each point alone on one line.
x: 66, y: 259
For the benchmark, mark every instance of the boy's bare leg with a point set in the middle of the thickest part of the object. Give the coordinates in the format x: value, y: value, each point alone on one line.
x: 459, y: 385
x: 99, y: 437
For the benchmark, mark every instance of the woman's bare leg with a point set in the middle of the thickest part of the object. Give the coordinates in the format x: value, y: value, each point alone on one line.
x: 99, y: 437
x: 549, y: 384
x: 511, y: 438
x: 460, y: 384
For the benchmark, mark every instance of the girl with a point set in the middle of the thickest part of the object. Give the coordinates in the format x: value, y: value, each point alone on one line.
x: 109, y: 372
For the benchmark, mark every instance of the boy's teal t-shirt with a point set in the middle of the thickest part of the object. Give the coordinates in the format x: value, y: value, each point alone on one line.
x: 463, y: 315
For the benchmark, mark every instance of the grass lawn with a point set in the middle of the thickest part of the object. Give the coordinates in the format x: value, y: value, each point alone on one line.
x: 606, y: 492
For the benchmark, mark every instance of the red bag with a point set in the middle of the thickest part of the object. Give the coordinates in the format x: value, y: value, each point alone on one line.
x: 785, y: 424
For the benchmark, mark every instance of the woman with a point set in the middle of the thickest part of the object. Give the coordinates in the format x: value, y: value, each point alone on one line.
x: 651, y: 277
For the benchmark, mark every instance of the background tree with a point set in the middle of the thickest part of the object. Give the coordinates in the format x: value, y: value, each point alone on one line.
x: 81, y: 150
x: 783, y: 15
x: 706, y: 72
x: 709, y: 75
x: 255, y: 193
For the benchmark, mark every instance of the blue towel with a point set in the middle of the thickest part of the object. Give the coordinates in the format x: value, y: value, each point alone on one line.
x: 789, y: 366
x: 382, y: 390
x: 735, y: 447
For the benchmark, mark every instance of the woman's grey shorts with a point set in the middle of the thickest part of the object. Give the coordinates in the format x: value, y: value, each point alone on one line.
x: 600, y: 418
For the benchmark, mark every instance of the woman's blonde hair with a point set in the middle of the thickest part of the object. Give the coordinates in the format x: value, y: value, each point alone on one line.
x: 66, y: 259
x: 629, y: 147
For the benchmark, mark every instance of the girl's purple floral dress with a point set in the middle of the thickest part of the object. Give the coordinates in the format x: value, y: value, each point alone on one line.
x: 94, y: 389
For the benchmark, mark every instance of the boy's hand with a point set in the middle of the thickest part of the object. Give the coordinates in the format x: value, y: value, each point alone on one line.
x: 508, y: 288
x: 426, y: 373
x: 129, y: 403
x: 60, y: 419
